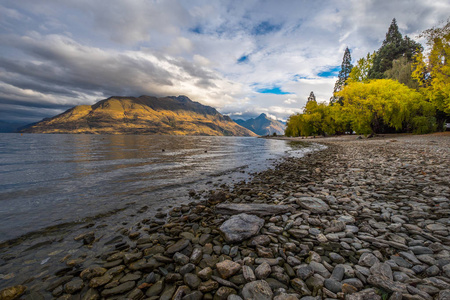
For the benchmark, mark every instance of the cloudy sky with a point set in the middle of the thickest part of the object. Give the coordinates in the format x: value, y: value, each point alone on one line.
x: 241, y: 57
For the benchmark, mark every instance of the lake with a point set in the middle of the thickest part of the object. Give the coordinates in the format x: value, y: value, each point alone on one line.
x: 54, y: 187
x: 48, y: 180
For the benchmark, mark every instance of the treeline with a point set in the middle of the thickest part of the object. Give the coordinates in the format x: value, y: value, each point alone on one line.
x: 397, y: 88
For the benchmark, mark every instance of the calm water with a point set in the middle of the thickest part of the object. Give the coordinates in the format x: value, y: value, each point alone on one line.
x: 47, y: 180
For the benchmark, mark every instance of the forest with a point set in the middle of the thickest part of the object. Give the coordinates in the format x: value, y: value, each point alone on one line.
x: 400, y: 88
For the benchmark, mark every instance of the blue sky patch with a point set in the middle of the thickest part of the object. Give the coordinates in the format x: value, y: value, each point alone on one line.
x: 274, y: 90
x: 197, y: 29
x: 332, y: 71
x: 265, y: 27
x: 243, y: 59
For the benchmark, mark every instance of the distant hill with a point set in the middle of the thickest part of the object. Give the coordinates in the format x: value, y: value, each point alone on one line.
x: 263, y: 125
x: 7, y: 127
x: 142, y: 115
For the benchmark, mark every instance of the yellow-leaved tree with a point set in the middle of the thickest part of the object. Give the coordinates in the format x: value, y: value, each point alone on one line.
x: 432, y: 70
x: 378, y: 105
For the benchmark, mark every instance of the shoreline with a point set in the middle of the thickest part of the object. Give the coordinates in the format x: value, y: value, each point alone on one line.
x: 349, y: 242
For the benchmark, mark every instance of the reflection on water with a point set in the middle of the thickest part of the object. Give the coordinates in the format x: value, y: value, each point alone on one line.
x: 52, y: 179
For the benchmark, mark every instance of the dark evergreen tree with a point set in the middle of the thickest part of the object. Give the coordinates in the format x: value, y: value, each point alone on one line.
x: 312, y: 97
x: 394, y: 46
x: 344, y: 73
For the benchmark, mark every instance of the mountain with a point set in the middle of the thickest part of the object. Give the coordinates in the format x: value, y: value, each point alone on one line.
x: 10, y: 126
x: 263, y: 125
x: 142, y: 115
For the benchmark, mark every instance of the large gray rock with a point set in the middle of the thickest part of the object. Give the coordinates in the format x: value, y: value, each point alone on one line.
x: 315, y: 205
x: 252, y: 209
x: 259, y: 289
x: 241, y: 227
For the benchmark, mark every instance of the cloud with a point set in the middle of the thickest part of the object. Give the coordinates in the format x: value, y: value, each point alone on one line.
x: 221, y: 53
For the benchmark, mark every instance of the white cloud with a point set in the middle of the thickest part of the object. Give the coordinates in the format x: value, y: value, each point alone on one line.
x: 82, y: 50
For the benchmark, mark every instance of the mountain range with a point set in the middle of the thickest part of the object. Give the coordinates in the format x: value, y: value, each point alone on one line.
x: 263, y: 125
x: 142, y: 115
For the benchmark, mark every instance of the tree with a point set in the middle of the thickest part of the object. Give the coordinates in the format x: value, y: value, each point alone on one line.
x: 402, y: 72
x: 394, y: 46
x: 433, y: 71
x: 386, y: 105
x: 344, y: 73
x: 360, y: 72
x: 311, y: 97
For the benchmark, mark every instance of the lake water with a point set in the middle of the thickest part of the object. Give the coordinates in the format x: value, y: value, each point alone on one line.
x: 46, y: 180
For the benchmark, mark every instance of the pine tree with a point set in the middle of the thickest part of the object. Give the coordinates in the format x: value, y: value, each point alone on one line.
x: 344, y: 73
x: 394, y: 46
x: 312, y: 97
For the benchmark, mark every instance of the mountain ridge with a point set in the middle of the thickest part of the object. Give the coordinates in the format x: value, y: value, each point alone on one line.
x: 262, y: 125
x: 174, y: 115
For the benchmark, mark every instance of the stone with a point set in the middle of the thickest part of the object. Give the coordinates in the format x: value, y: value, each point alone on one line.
x: 333, y: 285
x: 319, y: 269
x: 258, y: 289
x: 315, y: 205
x: 91, y: 272
x: 382, y: 270
x: 300, y: 286
x: 13, y: 292
x: 74, y: 286
x: 304, y: 272
x: 192, y: 280
x: 208, y: 286
x: 227, y: 268
x: 248, y: 273
x: 180, y: 258
x: 155, y: 289
x: 337, y: 258
x: 223, y: 292
x: 367, y: 294
x: 338, y: 273
x: 91, y: 294
x: 417, y: 250
x: 205, y: 274
x: 195, y: 295
x: 178, y: 246
x: 259, y: 240
x: 241, y: 227
x: 253, y: 209
x: 120, y: 289
x: 368, y: 260
x: 263, y: 271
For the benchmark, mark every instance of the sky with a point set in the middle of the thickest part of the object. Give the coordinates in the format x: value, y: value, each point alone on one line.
x: 242, y: 57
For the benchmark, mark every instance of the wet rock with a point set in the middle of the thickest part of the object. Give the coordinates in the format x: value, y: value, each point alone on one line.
x: 241, y: 227
x: 205, y: 274
x: 178, y: 246
x: 120, y: 289
x: 259, y: 289
x: 92, y: 272
x: 74, y: 286
x: 13, y: 292
x: 155, y: 289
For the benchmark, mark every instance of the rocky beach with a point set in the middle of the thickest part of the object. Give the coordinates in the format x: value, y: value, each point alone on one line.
x: 362, y: 219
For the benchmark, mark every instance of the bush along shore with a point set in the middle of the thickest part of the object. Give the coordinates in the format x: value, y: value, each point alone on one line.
x: 363, y: 219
